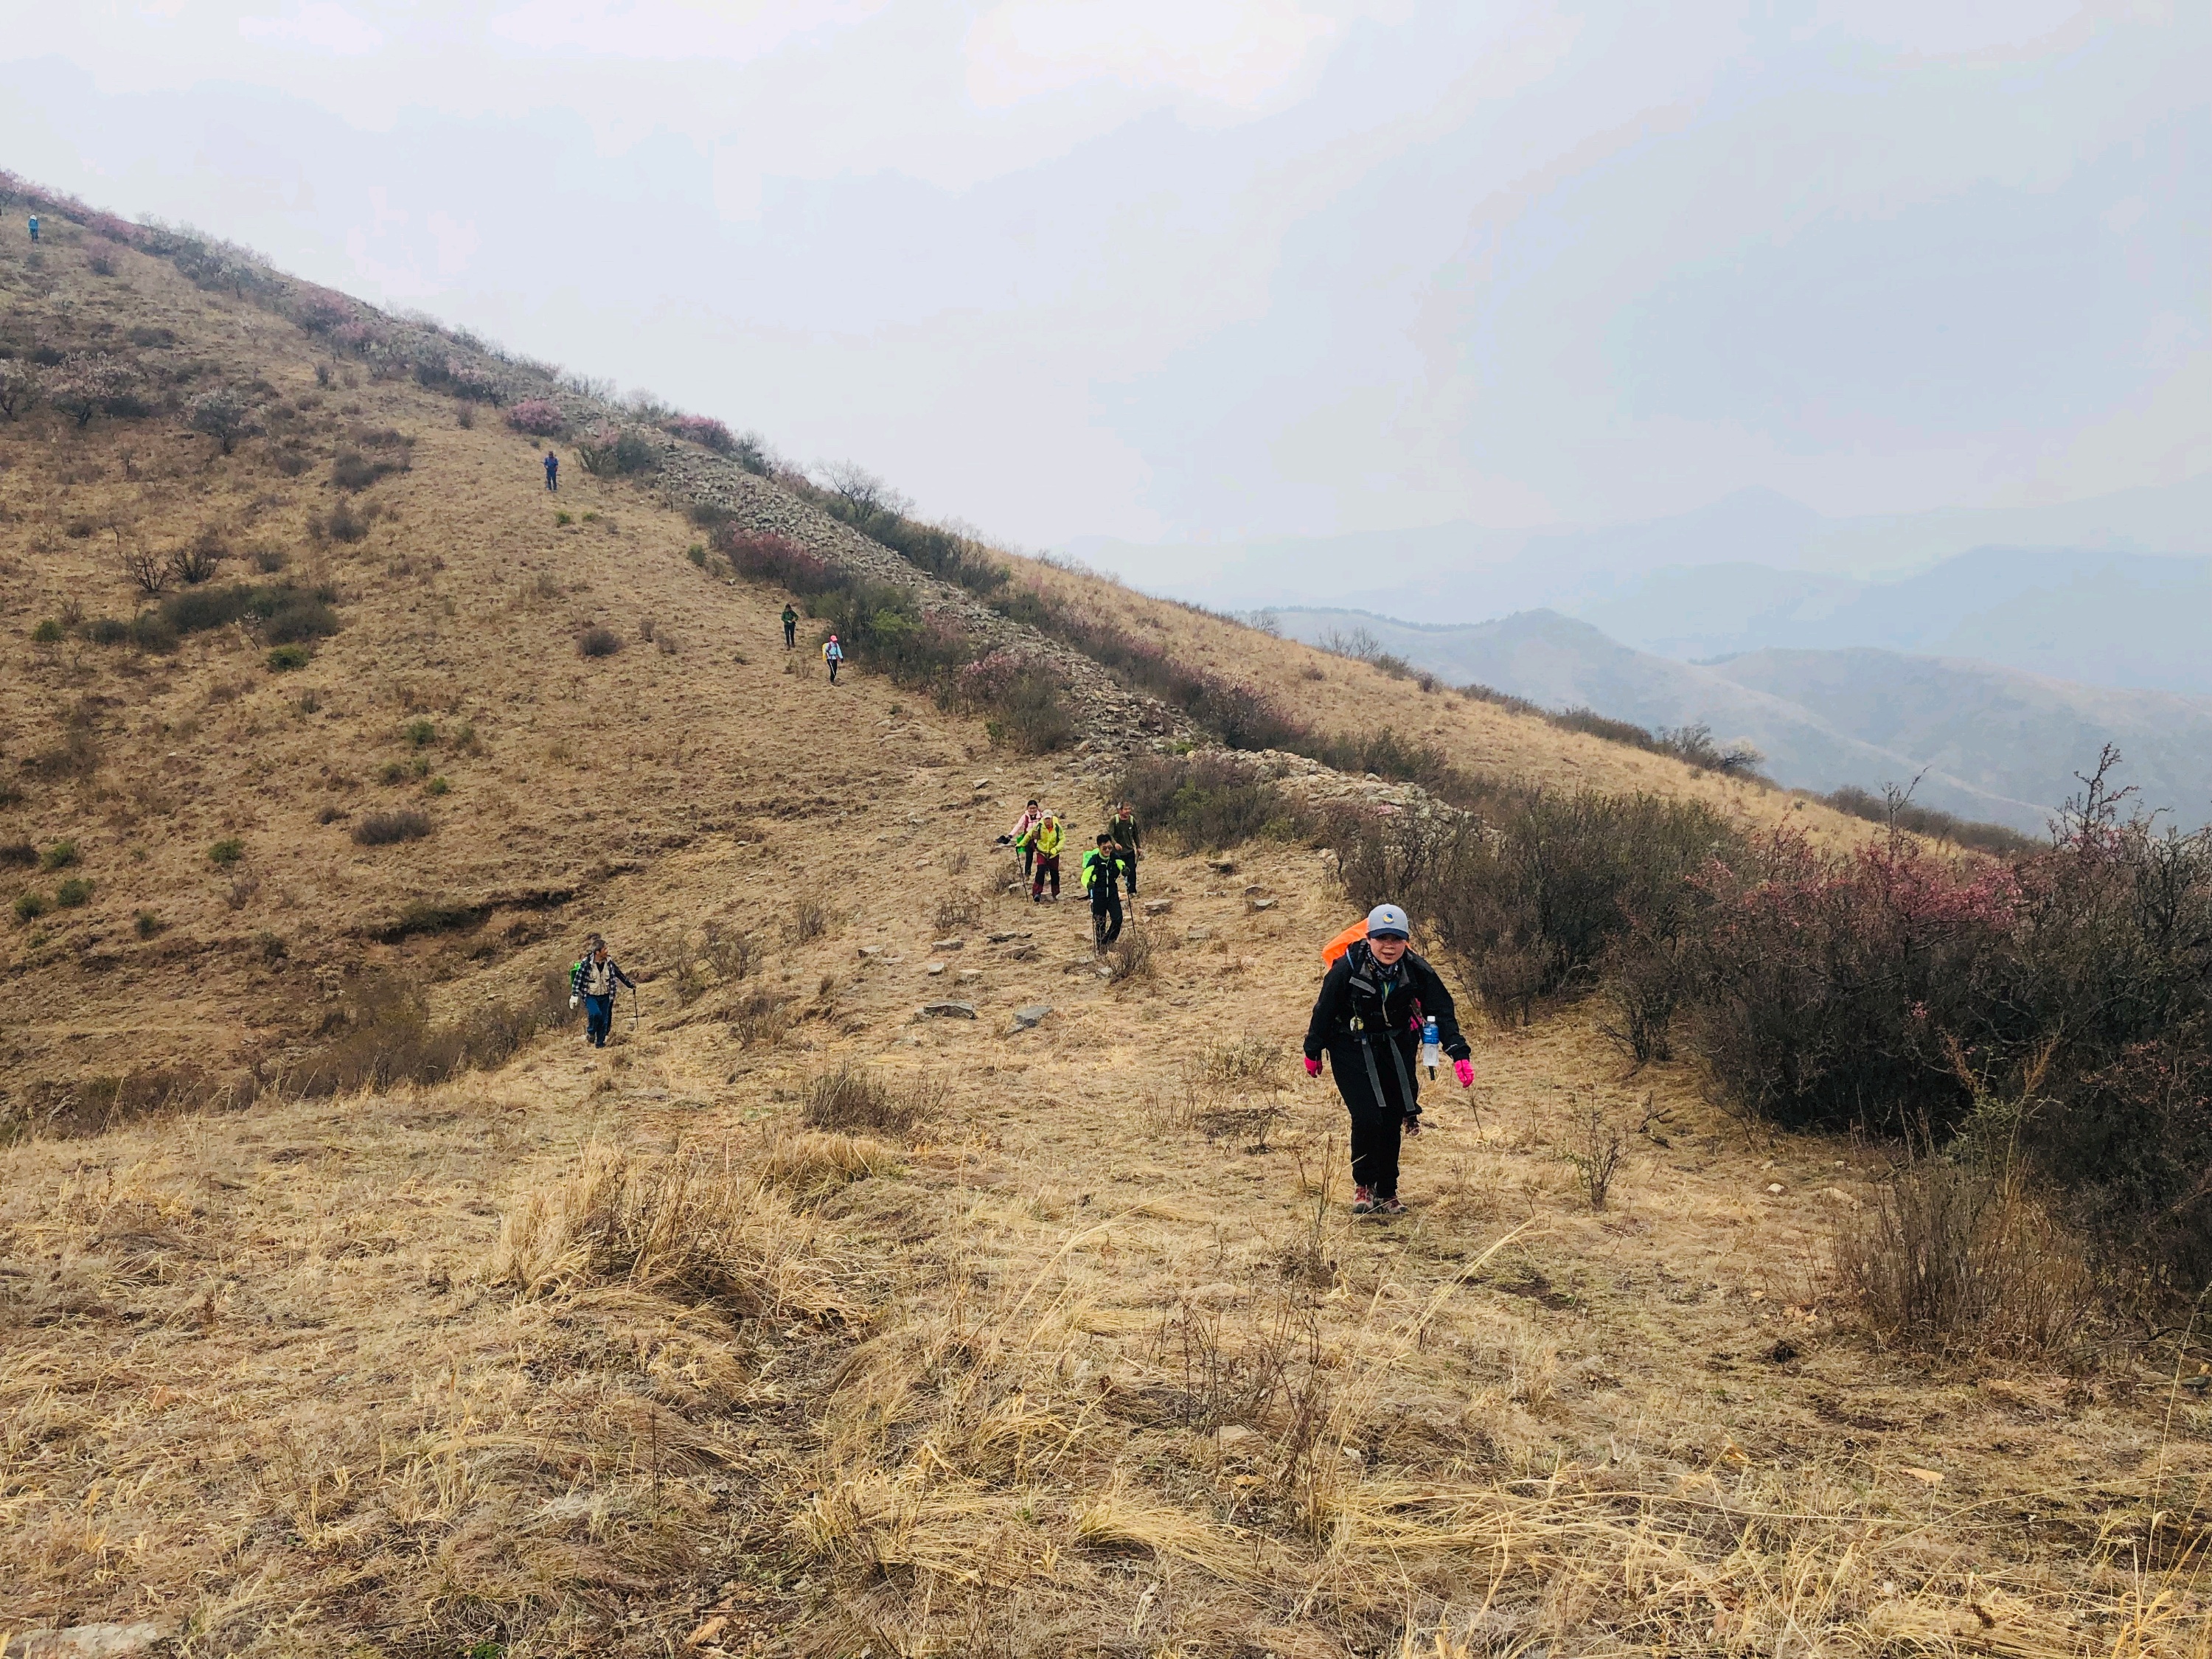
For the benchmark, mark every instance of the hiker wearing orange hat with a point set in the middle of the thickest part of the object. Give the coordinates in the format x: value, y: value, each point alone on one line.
x: 1369, y: 1018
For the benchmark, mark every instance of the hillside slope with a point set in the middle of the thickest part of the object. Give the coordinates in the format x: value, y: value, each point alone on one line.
x: 804, y: 1320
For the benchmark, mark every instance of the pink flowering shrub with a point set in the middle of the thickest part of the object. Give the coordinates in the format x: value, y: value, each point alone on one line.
x: 538, y: 417
x: 703, y: 430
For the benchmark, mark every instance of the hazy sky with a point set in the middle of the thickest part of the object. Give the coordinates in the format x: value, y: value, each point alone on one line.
x: 1204, y: 269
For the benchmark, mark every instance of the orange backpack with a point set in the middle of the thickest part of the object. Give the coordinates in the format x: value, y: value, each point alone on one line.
x: 1343, y: 942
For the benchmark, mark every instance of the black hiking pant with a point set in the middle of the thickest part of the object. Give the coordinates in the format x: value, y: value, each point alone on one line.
x: 1374, y: 1138
x: 1106, y: 918
x: 790, y: 634
x: 552, y: 482
x: 834, y: 662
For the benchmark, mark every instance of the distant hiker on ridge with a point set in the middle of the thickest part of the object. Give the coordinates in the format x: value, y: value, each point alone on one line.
x: 593, y: 979
x: 552, y: 470
x: 833, y: 653
x: 790, y: 627
x: 34, y: 227
x: 1368, y: 1017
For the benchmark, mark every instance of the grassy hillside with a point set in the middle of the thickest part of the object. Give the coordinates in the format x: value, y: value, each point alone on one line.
x: 802, y: 1320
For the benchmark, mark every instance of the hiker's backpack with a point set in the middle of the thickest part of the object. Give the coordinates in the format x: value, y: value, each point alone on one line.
x: 1343, y: 942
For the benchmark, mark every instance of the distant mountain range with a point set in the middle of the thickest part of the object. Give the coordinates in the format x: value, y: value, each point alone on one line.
x: 2104, y: 619
x: 2116, y: 590
x: 1988, y: 741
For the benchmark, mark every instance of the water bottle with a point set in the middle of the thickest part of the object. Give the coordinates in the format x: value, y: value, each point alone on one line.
x: 1433, y: 1053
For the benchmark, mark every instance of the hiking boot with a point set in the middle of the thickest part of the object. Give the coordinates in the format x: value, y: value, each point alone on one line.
x: 1362, y: 1200
x: 1388, y: 1207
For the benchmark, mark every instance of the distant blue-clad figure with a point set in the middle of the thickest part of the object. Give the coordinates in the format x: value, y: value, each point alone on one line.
x: 552, y: 470
x: 34, y: 227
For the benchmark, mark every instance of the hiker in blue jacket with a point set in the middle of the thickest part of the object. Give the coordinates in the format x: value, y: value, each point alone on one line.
x: 552, y: 472
x: 833, y: 653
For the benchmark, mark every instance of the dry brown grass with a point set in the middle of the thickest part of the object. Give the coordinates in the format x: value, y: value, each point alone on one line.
x: 603, y: 1349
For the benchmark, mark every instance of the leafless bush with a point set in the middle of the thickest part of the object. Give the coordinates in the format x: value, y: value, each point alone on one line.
x: 1246, y: 1372
x: 759, y: 1019
x: 1595, y: 1150
x: 147, y: 570
x: 384, y: 829
x: 809, y: 919
x: 199, y: 559
x: 1967, y: 1257
x: 599, y: 642
x: 850, y: 1100
x: 1130, y: 958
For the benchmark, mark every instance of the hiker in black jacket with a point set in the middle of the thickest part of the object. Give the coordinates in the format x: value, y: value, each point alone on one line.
x: 1368, y: 1020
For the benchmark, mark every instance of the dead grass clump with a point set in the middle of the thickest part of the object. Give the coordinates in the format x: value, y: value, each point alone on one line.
x: 599, y: 642
x: 850, y: 1098
x: 385, y: 829
x: 692, y: 1226
x: 813, y: 1163
x: 1965, y: 1257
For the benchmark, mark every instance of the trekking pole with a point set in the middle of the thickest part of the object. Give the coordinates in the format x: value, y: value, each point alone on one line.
x: 632, y: 1011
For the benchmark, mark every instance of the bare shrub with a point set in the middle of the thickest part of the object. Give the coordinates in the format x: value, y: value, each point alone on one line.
x: 599, y: 642
x: 1965, y: 1256
x: 385, y: 829
x: 693, y: 1226
x: 958, y: 909
x: 1130, y: 958
x: 760, y: 1019
x: 1596, y: 1149
x: 199, y: 560
x: 382, y: 1035
x: 850, y: 1099
x: 808, y: 918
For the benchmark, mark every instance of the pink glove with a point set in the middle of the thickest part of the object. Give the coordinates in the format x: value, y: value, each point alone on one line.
x: 1313, y: 1066
x: 1464, y: 1071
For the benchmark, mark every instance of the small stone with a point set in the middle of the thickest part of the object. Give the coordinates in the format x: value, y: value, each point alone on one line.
x: 949, y: 945
x: 949, y: 1010
x: 1025, y: 1018
x: 967, y: 974
x: 1199, y: 935
x: 871, y: 949
x: 1001, y: 939
x: 87, y: 1642
x: 1774, y: 1188
x: 1158, y: 907
x: 1263, y: 904
x: 936, y: 967
x: 1233, y: 1434
x: 1222, y: 866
